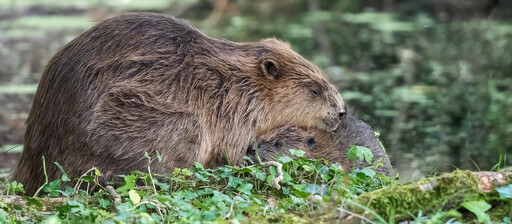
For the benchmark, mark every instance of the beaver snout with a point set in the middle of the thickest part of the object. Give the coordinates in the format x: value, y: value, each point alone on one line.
x: 334, y: 117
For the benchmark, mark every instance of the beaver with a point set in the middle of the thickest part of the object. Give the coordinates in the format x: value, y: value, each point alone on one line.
x: 145, y: 82
x: 317, y: 143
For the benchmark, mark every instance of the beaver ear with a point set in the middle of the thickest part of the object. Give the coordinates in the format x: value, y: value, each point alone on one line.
x: 270, y: 69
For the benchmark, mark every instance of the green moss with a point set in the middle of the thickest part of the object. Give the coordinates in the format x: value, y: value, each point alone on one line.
x: 278, y: 218
x: 498, y: 212
x: 426, y: 195
x: 327, y: 215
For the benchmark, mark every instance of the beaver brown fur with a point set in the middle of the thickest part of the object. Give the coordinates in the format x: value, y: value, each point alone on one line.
x: 145, y: 82
x: 332, y: 146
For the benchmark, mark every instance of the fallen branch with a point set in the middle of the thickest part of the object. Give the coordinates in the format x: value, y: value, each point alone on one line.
x: 47, y: 204
x: 117, y: 197
x: 444, y: 192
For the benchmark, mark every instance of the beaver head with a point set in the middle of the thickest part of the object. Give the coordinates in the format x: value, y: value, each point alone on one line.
x: 288, y: 82
x: 332, y: 146
x: 279, y: 141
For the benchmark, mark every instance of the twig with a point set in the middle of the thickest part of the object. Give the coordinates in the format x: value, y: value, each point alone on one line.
x: 279, y: 178
x: 367, y: 210
x: 79, y: 182
x: 155, y: 203
x: 230, y: 210
x: 154, y: 187
x: 45, y: 176
x: 151, y: 176
x: 117, y: 197
x: 354, y: 214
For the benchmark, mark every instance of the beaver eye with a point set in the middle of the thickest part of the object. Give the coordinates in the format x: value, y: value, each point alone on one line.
x: 311, y: 142
x: 314, y: 92
x: 278, y: 144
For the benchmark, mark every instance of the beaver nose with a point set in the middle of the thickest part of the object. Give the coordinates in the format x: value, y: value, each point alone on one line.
x: 342, y: 113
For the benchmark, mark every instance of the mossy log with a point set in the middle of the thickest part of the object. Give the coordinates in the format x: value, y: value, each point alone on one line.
x: 42, y: 204
x: 430, y: 195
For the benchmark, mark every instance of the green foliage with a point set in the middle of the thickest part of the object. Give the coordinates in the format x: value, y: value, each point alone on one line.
x: 205, y: 195
x: 311, y: 191
x: 505, y: 192
x: 361, y: 152
x: 478, y: 208
x: 14, y: 187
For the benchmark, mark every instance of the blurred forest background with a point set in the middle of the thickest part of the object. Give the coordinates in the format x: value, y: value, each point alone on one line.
x: 433, y: 77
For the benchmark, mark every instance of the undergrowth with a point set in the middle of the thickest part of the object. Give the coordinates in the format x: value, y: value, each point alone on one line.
x: 309, y: 191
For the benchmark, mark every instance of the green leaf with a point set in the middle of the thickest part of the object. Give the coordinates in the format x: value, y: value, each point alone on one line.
x: 453, y: 213
x: 297, y: 200
x: 286, y: 177
x: 201, y: 177
x: 361, y: 152
x: 300, y: 187
x: 270, y: 178
x: 369, y: 172
x: 234, y: 181
x: 14, y: 187
x: 259, y: 175
x: 505, y: 192
x: 245, y: 188
x: 243, y: 170
x: 285, y: 190
x: 198, y: 166
x: 134, y: 196
x: 32, y: 201
x: 52, y: 188
x: 158, y: 156
x: 104, y: 203
x: 64, y: 177
x: 3, y: 216
x: 308, y: 168
x: 284, y: 159
x: 201, y: 205
x: 297, y: 153
x: 97, y: 172
x: 54, y: 219
x: 301, y: 194
x: 129, y: 184
x: 68, y: 191
x: 478, y: 208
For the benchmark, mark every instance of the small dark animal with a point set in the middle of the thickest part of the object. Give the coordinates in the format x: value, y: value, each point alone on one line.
x: 332, y: 146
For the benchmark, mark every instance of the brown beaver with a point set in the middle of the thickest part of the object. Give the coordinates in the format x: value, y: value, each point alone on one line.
x: 146, y: 82
x: 332, y: 146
